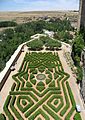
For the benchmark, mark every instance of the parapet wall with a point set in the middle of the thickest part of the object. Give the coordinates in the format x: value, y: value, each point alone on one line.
x: 5, y: 73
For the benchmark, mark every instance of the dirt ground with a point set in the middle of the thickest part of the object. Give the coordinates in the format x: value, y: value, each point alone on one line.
x: 21, y: 17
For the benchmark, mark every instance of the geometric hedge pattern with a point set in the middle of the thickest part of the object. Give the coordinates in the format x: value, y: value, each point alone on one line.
x: 49, y: 98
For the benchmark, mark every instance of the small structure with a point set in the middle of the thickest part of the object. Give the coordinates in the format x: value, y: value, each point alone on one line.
x: 12, y: 68
x: 22, y: 49
x: 78, y: 108
x: 37, y: 36
x: 49, y: 33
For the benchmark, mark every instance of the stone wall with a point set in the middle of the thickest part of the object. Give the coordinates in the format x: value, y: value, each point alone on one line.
x: 6, y: 75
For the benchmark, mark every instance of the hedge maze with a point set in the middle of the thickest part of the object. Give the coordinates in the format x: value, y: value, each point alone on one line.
x: 41, y: 90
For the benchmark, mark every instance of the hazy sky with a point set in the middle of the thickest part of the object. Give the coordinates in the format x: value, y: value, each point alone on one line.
x: 38, y: 5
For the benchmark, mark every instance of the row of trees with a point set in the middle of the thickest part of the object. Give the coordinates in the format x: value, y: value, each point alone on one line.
x: 63, y: 36
x: 78, y: 45
x: 48, y: 42
x: 7, y: 24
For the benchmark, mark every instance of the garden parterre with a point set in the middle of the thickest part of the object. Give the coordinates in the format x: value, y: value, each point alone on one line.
x: 31, y: 98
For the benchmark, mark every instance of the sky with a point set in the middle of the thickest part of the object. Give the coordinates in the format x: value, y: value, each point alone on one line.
x: 38, y: 5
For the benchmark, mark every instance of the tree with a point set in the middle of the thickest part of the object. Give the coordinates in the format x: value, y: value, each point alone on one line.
x: 35, y: 45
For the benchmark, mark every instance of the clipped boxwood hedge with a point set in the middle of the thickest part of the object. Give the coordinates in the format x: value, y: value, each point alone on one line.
x: 33, y: 81
x: 77, y: 116
x: 2, y: 117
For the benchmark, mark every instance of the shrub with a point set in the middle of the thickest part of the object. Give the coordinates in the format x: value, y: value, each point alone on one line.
x: 25, y: 108
x: 39, y: 111
x: 50, y: 76
x: 39, y: 119
x: 35, y: 45
x: 24, y: 102
x: 32, y: 69
x: 32, y: 76
x: 14, y: 110
x: 7, y: 24
x: 50, y: 69
x: 28, y: 84
x: 52, y: 106
x: 13, y: 87
x: 33, y: 81
x: 66, y: 97
x: 25, y: 76
x: 55, y: 102
x: 6, y: 108
x: 49, y: 111
x: 2, y: 117
x: 40, y: 88
x: 40, y: 84
x: 55, y: 76
x: 47, y: 72
x: 41, y: 102
x: 48, y: 81
x: 41, y: 69
x: 18, y: 83
x: 52, y: 84
x: 34, y: 72
x: 77, y: 116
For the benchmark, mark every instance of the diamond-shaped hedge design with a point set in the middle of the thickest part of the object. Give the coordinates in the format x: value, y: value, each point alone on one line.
x: 49, y: 98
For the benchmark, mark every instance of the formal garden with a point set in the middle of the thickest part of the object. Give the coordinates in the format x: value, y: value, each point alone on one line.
x: 40, y: 91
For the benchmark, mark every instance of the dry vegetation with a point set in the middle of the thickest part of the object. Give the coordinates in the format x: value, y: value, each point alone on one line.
x: 21, y: 17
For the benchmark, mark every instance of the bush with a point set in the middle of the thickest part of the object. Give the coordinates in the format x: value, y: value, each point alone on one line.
x: 52, y: 84
x: 23, y: 98
x: 41, y: 102
x: 14, y: 110
x: 40, y: 88
x: 48, y: 81
x: 31, y: 76
x: 72, y: 102
x: 66, y: 98
x: 34, y: 72
x: 35, y: 45
x: 50, y: 76
x: 28, y: 84
x: 40, y: 84
x: 17, y: 81
x: 39, y: 111
x: 2, y: 117
x: 25, y: 76
x: 55, y: 102
x: 7, y: 24
x: 77, y: 117
x: 41, y: 69
x: 50, y: 69
x: 33, y: 81
x: 24, y: 102
x: 7, y: 102
x: 32, y: 69
x: 49, y: 111
x: 52, y: 106
x: 13, y: 87
x: 55, y: 75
